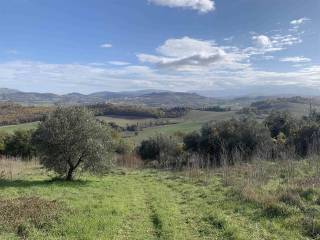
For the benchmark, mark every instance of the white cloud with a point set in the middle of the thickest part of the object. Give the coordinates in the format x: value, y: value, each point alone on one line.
x: 106, y: 45
x: 296, y: 59
x: 118, y: 63
x: 262, y: 41
x: 202, y: 6
x: 283, y: 41
x: 63, y: 78
x: 192, y: 54
x: 266, y: 44
x: 299, y: 21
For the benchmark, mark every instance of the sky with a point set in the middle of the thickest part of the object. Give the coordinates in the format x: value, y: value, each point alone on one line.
x: 86, y: 46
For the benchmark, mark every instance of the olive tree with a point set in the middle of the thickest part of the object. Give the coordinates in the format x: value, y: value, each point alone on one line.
x: 71, y: 139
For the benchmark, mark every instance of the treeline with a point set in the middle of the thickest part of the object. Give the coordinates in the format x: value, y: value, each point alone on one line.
x: 139, y: 126
x: 280, y: 136
x: 11, y: 113
x: 215, y: 109
x: 137, y: 111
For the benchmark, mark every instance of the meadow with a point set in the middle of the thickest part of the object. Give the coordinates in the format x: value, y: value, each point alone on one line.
x: 23, y: 126
x: 190, y: 122
x: 149, y: 204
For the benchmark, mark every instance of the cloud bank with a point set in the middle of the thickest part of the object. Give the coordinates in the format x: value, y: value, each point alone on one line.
x: 202, y: 6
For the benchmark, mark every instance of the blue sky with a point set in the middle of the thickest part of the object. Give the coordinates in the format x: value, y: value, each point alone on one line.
x: 184, y: 45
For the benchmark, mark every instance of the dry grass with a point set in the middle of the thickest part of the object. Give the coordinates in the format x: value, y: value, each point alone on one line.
x: 129, y: 160
x: 21, y: 214
x: 12, y: 168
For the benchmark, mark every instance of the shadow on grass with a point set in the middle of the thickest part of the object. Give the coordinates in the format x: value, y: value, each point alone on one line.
x: 4, y: 183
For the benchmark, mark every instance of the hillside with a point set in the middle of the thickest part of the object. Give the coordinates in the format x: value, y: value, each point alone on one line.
x: 149, y: 204
x: 154, y: 98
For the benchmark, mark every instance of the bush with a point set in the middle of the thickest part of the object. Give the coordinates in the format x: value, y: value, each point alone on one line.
x: 123, y: 147
x: 233, y: 140
x: 165, y: 150
x: 3, y: 138
x: 191, y: 142
x: 19, y: 144
x: 70, y: 139
x: 281, y: 122
x: 307, y: 139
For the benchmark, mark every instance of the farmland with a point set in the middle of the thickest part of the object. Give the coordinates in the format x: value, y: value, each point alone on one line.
x: 191, y: 122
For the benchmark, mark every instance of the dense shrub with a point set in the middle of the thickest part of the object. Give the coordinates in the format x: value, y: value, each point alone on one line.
x: 19, y: 144
x: 229, y: 141
x: 192, y: 142
x: 281, y: 122
x: 165, y: 150
x: 307, y: 139
x: 123, y: 146
x: 3, y: 138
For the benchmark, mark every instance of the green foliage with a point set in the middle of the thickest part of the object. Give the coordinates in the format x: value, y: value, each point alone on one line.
x: 19, y: 144
x: 71, y: 138
x: 3, y: 138
x: 166, y: 150
x: 281, y: 122
x: 123, y: 146
x: 231, y: 140
x: 307, y: 139
x: 192, y: 142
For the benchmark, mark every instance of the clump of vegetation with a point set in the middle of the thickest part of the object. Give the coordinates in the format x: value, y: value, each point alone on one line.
x: 228, y: 141
x: 22, y: 214
x: 215, y: 109
x: 18, y: 144
x: 165, y: 150
x: 71, y: 139
x: 137, y: 111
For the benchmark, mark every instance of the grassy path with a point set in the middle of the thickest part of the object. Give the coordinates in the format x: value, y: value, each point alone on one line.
x: 144, y: 205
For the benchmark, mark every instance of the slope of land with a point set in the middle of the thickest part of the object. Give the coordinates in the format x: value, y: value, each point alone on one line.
x: 147, y: 204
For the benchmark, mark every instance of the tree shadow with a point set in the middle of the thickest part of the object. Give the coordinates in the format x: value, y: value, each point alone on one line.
x: 57, y: 182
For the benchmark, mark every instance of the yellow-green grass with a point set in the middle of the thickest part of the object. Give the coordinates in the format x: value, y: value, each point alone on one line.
x: 193, y: 121
x: 146, y: 204
x: 23, y: 126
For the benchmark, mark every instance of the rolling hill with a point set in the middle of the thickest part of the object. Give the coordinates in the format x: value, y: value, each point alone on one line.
x: 154, y: 98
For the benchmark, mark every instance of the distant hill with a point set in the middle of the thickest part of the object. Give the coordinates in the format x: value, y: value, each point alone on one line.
x: 154, y: 98
x: 170, y: 99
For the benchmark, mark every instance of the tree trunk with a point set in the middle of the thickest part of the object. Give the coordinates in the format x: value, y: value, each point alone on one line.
x: 69, y: 176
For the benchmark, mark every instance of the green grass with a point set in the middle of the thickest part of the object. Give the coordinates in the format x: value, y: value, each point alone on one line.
x: 193, y: 121
x: 149, y: 204
x: 23, y: 126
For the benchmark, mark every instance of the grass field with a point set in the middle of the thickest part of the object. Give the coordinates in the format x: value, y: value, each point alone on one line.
x: 146, y: 204
x: 12, y: 128
x: 193, y: 121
